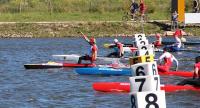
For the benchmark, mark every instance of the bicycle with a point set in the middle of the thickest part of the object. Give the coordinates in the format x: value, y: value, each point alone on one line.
x: 134, y: 17
x: 128, y: 16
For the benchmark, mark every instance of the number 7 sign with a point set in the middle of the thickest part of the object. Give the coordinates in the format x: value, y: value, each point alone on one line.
x: 145, y: 83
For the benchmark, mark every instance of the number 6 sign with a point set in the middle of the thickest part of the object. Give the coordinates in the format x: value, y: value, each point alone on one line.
x: 143, y: 69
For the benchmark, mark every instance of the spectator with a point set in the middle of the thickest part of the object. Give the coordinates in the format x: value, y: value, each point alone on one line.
x: 133, y: 8
x: 175, y: 20
x: 142, y: 9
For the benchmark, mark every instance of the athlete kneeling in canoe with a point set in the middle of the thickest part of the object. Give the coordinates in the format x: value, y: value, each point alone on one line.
x: 193, y: 81
x: 179, y: 33
x: 168, y: 59
x: 197, y: 68
x: 158, y: 41
x: 176, y: 46
x: 92, y: 56
x: 118, y: 50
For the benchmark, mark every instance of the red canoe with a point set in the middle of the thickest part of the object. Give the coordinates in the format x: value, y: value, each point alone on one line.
x: 78, y: 65
x: 177, y: 73
x: 125, y: 87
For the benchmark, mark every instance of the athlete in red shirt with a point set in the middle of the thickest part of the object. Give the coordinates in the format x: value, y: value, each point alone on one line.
x: 118, y: 49
x: 92, y: 56
x: 193, y: 82
x: 158, y: 41
x: 197, y: 68
x: 178, y: 32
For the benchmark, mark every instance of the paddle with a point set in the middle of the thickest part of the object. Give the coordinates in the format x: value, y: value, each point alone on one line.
x: 107, y: 45
x: 84, y: 36
x: 189, y: 50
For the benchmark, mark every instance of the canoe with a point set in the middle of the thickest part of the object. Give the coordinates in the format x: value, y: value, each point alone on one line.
x: 125, y: 87
x: 111, y: 45
x: 55, y: 65
x: 130, y: 49
x: 170, y: 49
x: 103, y: 71
x: 124, y: 72
x: 185, y: 43
x: 43, y: 66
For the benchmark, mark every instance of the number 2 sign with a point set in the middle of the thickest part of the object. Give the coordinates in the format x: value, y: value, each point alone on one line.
x: 140, y: 37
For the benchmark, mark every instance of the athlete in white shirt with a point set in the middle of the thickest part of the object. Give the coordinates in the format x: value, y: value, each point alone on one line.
x: 168, y: 59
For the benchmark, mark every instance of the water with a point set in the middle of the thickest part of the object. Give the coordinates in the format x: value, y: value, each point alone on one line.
x: 63, y: 88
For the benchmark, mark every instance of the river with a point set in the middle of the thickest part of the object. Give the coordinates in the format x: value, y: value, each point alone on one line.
x: 63, y: 88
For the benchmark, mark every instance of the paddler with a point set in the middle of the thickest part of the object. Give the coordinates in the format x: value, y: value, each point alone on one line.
x: 168, y: 59
x: 194, y: 81
x: 197, y: 68
x: 158, y: 41
x: 179, y: 33
x: 118, y: 49
x: 177, y: 45
x: 92, y: 56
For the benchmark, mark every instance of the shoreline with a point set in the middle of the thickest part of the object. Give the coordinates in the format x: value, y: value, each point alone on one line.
x: 94, y: 28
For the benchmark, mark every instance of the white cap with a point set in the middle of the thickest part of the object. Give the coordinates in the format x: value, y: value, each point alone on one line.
x: 115, y: 40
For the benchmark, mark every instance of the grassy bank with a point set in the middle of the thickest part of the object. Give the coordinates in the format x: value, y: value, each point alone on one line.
x: 67, y: 29
x: 42, y: 16
x: 96, y: 17
x: 78, y: 10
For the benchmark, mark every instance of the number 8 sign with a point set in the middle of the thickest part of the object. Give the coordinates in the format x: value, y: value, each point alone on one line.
x: 155, y: 99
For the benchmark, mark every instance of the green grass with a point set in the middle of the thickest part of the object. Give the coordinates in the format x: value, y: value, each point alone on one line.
x: 78, y: 10
x: 42, y: 16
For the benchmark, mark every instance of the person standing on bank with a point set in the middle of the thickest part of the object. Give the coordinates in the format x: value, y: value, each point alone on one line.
x: 142, y: 9
x: 133, y: 9
x: 175, y: 20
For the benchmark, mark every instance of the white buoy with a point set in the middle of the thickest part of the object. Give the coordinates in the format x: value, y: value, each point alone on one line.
x: 142, y: 69
x: 141, y: 43
x: 140, y: 37
x: 141, y: 59
x: 149, y: 46
x: 150, y: 99
x: 144, y: 52
x: 145, y: 83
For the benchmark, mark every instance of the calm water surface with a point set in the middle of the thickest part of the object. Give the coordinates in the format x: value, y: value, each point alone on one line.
x: 63, y: 88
